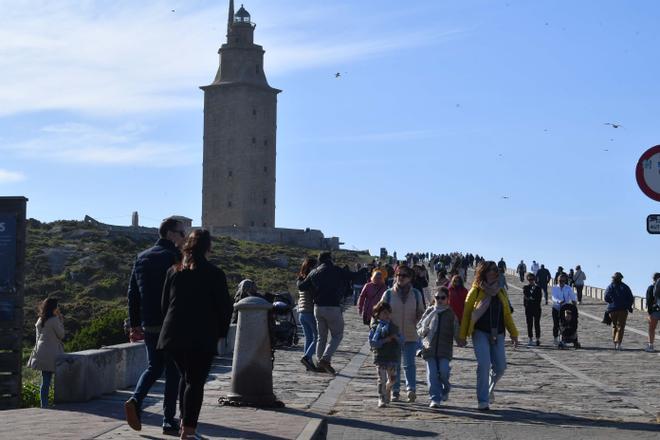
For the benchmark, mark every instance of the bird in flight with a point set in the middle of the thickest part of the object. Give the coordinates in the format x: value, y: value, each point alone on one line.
x: 613, y: 125
x: 337, y: 75
x: 605, y: 149
x: 173, y: 10
x: 505, y: 197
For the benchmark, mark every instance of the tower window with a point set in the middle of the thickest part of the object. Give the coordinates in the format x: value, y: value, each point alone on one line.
x: 264, y: 224
x: 254, y: 112
x: 265, y: 142
x: 254, y: 140
x: 229, y: 204
x: 231, y: 173
x: 265, y: 201
x: 258, y: 68
x: 252, y: 223
x: 265, y: 169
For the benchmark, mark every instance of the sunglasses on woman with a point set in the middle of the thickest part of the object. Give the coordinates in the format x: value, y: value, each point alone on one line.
x: 441, y: 298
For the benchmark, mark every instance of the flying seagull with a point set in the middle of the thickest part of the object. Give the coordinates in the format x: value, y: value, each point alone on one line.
x: 173, y: 10
x: 337, y: 75
x: 613, y: 125
x: 505, y: 197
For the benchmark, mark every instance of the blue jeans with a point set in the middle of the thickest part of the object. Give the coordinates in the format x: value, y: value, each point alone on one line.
x: 158, y: 361
x: 491, y: 363
x: 357, y: 289
x: 437, y: 376
x: 308, y: 323
x: 408, y: 350
x: 46, y: 377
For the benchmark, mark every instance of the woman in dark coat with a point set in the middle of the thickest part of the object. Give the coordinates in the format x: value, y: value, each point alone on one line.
x: 197, y: 311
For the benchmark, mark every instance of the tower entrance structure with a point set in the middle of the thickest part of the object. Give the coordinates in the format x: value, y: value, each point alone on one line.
x: 240, y: 125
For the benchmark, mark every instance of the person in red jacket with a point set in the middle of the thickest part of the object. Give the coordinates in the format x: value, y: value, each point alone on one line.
x: 457, y: 294
x: 371, y: 293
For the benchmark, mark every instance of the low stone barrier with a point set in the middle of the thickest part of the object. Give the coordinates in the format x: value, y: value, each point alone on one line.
x: 85, y: 375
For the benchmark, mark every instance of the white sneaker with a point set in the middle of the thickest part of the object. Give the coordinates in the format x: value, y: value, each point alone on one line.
x: 617, y: 346
x: 530, y: 343
x: 434, y: 404
x: 649, y: 348
x: 381, y: 403
x: 556, y: 342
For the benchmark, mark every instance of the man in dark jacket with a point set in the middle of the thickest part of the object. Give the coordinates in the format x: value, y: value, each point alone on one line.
x: 543, y: 279
x: 620, y: 300
x: 327, y: 283
x: 145, y: 292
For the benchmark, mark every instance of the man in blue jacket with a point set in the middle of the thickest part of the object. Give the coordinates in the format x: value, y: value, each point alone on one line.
x: 144, y: 309
x: 620, y: 300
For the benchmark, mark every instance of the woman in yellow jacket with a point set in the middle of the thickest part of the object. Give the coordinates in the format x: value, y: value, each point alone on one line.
x: 486, y: 315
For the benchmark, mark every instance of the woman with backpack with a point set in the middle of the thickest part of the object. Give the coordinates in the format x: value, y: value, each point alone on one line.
x: 653, y: 307
x: 407, y: 308
x: 50, y: 333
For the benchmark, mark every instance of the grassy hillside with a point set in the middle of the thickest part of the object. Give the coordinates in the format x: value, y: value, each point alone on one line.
x: 88, y: 267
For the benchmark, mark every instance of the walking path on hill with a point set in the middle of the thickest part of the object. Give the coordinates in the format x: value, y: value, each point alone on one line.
x: 594, y: 392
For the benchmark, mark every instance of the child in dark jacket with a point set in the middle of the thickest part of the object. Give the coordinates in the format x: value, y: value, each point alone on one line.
x: 385, y: 341
x: 438, y: 327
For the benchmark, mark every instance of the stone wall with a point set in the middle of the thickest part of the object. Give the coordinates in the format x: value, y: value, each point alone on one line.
x: 308, y: 238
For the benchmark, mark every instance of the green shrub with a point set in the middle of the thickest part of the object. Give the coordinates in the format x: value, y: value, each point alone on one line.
x: 30, y: 391
x: 107, y: 329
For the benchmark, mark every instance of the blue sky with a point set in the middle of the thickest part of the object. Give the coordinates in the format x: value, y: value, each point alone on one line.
x: 443, y: 107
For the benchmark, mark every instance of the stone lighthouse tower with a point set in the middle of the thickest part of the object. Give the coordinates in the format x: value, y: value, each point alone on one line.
x: 240, y: 124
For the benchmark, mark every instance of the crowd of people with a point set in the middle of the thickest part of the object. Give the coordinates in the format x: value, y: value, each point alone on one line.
x: 179, y: 305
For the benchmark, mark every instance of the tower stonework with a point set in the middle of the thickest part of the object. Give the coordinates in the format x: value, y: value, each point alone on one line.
x: 240, y: 124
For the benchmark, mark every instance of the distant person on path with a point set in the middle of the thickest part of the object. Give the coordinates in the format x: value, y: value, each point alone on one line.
x: 571, y: 280
x: 327, y: 282
x: 385, y: 340
x: 521, y: 270
x: 543, y: 279
x: 145, y: 292
x: 420, y: 281
x: 579, y: 278
x: 306, y: 315
x: 561, y: 294
x: 560, y: 270
x: 501, y: 280
x: 535, y: 267
x: 371, y: 294
x: 486, y: 316
x: 50, y: 333
x: 501, y: 265
x: 653, y: 307
x: 407, y: 308
x: 438, y: 328
x: 620, y: 300
x: 442, y: 279
x: 532, y: 297
x: 457, y: 295
x: 197, y: 311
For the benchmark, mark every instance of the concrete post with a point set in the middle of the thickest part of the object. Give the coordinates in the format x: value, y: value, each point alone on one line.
x: 252, y: 368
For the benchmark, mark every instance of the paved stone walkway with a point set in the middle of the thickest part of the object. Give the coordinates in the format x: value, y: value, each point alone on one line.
x: 546, y: 393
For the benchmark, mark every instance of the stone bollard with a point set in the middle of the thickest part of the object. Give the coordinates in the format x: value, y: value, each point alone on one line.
x: 252, y: 368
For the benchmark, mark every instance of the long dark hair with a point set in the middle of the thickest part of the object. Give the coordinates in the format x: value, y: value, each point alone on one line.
x: 307, y: 266
x: 482, y: 270
x: 197, y: 244
x: 47, y: 309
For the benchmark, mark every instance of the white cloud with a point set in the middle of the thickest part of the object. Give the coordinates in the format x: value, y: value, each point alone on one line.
x: 87, y: 144
x: 124, y: 56
x: 7, y: 176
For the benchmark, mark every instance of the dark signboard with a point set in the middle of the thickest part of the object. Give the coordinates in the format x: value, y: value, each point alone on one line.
x: 653, y: 224
x: 7, y: 253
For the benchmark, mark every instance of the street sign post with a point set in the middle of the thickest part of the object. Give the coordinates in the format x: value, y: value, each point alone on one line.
x: 648, y: 173
x: 653, y: 224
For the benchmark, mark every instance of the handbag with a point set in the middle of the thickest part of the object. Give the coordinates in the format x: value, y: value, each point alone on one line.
x: 607, y: 319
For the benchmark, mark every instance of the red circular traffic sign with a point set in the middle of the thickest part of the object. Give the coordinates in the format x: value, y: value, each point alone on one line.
x: 648, y: 173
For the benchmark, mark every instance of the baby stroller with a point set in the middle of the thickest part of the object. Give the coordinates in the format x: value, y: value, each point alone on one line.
x: 285, y: 327
x: 568, y: 325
